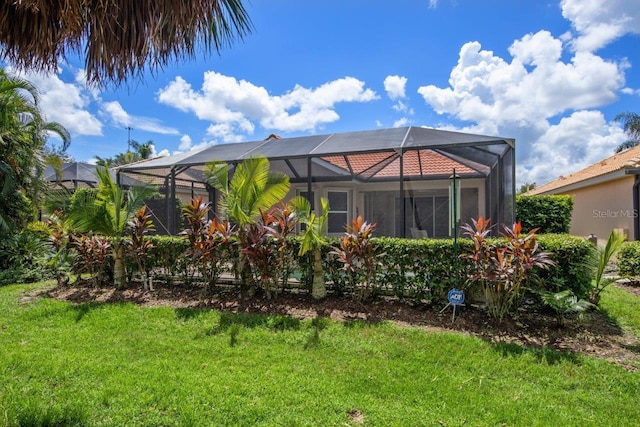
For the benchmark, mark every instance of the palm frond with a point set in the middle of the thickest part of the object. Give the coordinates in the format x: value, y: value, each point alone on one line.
x: 119, y: 38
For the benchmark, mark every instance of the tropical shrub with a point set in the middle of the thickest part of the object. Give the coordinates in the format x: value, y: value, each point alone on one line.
x: 281, y: 223
x: 358, y: 256
x: 503, y: 271
x: 140, y: 245
x: 549, y: 214
x: 92, y: 257
x: 210, y: 241
x: 61, y: 258
x: 23, y: 257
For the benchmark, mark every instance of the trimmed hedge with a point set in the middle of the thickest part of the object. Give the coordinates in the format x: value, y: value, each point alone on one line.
x: 572, y: 270
x: 628, y: 259
x: 419, y: 269
x: 552, y: 214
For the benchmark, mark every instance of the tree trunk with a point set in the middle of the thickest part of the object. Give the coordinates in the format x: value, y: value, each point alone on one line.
x: 118, y: 266
x: 318, y: 289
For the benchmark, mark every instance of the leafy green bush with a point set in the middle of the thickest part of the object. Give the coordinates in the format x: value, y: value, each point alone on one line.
x: 572, y: 268
x: 552, y: 214
x: 23, y: 257
x: 420, y: 269
x: 628, y: 259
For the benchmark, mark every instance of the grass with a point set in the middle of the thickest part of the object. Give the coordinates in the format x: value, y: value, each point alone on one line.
x: 623, y: 307
x: 120, y: 364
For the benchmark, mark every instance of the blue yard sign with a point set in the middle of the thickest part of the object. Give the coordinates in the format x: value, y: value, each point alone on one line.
x: 455, y: 297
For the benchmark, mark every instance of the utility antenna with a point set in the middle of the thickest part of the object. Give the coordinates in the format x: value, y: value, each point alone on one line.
x: 129, y: 129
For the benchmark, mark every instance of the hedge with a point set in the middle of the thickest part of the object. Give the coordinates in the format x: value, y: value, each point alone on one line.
x: 419, y: 269
x: 552, y: 214
x: 628, y: 259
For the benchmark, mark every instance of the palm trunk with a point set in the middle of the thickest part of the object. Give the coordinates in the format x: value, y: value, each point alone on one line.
x: 118, y: 265
x: 318, y: 290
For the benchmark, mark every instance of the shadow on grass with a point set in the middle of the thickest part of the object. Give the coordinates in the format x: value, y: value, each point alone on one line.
x: 546, y: 355
x: 188, y: 313
x: 250, y: 320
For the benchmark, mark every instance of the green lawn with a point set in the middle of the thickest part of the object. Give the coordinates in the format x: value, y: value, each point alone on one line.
x: 62, y: 364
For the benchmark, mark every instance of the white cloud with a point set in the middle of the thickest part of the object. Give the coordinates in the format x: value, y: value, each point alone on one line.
x: 237, y: 105
x: 401, y: 122
x: 185, y: 143
x: 599, y: 22
x: 630, y: 91
x: 401, y: 107
x: 522, y: 97
x: 395, y: 86
x: 486, y: 87
x: 65, y: 103
x: 121, y: 118
x: 433, y: 4
x: 224, y: 132
x: 574, y: 143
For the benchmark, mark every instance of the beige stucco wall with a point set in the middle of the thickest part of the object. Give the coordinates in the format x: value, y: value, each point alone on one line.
x: 600, y: 208
x: 358, y: 189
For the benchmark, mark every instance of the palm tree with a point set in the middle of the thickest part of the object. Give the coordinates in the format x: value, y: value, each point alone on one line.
x: 313, y: 239
x: 23, y: 136
x: 109, y: 213
x: 631, y: 125
x: 253, y: 189
x: 119, y: 38
x: 140, y: 152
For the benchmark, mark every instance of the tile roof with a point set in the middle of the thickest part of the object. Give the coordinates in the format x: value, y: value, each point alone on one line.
x: 625, y: 160
x: 385, y: 165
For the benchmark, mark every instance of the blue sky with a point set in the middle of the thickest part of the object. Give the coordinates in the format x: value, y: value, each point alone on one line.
x: 551, y: 74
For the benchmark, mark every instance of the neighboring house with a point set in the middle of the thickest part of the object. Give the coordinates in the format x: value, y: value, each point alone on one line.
x: 399, y: 178
x: 605, y: 195
x: 72, y: 176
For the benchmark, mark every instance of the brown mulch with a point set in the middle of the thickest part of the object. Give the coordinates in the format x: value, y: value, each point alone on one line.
x: 594, y: 334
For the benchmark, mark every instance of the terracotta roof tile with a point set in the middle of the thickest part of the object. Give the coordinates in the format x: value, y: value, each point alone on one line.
x: 385, y: 165
x: 627, y: 159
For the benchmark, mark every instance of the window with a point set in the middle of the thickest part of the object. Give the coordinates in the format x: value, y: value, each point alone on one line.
x: 338, y: 211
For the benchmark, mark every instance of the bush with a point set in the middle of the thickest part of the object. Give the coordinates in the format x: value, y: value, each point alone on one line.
x: 572, y: 268
x: 628, y: 259
x: 23, y: 257
x: 552, y: 214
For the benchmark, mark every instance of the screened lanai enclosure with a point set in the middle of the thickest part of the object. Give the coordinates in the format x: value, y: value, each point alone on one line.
x: 400, y: 178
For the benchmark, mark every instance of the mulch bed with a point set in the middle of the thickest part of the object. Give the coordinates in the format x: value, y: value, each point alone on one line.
x: 594, y: 334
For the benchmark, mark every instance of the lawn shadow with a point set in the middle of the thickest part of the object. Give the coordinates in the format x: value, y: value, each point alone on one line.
x: 274, y: 322
x: 184, y: 313
x: 542, y: 354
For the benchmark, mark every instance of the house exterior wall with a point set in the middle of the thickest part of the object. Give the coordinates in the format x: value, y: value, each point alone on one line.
x: 473, y: 199
x: 600, y: 208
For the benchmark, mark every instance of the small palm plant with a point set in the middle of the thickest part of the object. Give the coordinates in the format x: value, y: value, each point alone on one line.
x: 599, y: 262
x: 109, y: 213
x: 565, y: 302
x: 252, y: 189
x: 313, y: 239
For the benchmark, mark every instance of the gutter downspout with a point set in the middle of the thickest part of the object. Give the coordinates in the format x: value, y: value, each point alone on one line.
x: 636, y: 201
x: 636, y: 208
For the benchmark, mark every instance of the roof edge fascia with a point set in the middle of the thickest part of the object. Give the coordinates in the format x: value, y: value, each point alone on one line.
x: 600, y: 179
